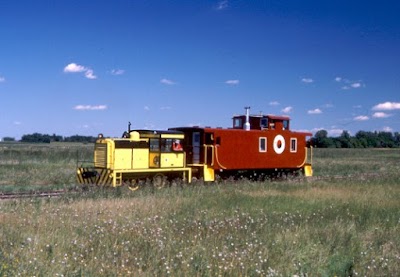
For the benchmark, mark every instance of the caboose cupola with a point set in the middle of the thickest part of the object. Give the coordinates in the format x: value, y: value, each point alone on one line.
x: 260, y: 122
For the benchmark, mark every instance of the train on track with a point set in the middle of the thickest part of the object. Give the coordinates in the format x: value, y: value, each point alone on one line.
x: 256, y: 146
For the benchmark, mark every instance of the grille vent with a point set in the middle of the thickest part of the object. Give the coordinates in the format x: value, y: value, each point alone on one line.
x: 100, y: 155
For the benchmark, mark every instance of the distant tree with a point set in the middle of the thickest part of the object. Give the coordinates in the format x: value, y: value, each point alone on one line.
x: 83, y: 139
x: 366, y: 139
x: 36, y: 138
x: 397, y: 139
x: 321, y: 139
x: 55, y: 137
x: 362, y: 139
x: 386, y: 139
x: 8, y: 139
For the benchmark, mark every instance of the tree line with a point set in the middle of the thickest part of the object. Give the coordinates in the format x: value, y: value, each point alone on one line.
x: 45, y: 138
x: 362, y: 139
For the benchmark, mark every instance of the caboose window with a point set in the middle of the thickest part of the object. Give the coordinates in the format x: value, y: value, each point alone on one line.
x: 293, y: 145
x: 286, y: 125
x: 237, y: 123
x: 264, y: 123
x: 262, y: 145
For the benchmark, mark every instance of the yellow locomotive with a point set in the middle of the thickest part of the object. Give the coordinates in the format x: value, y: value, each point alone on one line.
x: 139, y: 156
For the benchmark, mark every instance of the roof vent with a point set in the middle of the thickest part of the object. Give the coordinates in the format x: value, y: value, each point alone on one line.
x: 246, y: 125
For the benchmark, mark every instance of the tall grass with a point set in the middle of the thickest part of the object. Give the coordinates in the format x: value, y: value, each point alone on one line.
x: 320, y: 227
x: 40, y: 166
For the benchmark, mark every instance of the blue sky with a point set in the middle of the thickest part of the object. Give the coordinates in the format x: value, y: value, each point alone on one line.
x: 87, y: 67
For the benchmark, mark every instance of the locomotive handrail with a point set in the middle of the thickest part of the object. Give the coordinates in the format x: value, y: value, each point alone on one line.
x: 206, y: 146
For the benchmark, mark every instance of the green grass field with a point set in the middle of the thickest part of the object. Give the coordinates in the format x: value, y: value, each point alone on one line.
x: 345, y: 223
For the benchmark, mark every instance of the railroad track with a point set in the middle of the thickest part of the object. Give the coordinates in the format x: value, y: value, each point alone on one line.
x: 30, y: 194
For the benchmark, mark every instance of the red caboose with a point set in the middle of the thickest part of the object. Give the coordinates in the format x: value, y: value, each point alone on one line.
x: 255, y: 146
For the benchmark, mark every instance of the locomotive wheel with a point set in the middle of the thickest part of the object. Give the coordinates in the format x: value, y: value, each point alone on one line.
x: 133, y: 185
x: 159, y: 181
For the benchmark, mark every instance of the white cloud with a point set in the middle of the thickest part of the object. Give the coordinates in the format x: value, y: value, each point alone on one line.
x: 274, y: 103
x: 381, y: 115
x: 89, y: 74
x: 287, y: 109
x: 232, y: 82
x: 90, y: 107
x: 315, y: 111
x: 307, y: 80
x: 361, y: 118
x: 335, y: 132
x: 146, y: 108
x: 117, y: 72
x: 167, y: 82
x: 387, y: 106
x: 356, y: 85
x: 332, y: 132
x: 222, y: 5
x: 17, y: 123
x: 2, y: 79
x: 387, y: 129
x: 74, y: 68
x: 349, y: 84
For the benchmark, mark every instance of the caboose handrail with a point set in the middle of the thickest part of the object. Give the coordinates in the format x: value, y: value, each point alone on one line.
x: 216, y: 157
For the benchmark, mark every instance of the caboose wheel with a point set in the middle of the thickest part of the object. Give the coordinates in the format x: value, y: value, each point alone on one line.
x: 159, y: 181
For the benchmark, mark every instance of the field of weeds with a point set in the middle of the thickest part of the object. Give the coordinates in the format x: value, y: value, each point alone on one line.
x: 343, y: 222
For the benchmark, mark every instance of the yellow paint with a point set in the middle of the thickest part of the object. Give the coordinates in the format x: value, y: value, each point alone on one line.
x: 308, y: 172
x: 173, y: 136
x: 208, y: 174
x: 140, y: 158
x: 122, y: 158
x: 172, y: 159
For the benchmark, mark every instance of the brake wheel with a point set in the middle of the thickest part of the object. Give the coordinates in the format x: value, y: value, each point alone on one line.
x: 159, y: 181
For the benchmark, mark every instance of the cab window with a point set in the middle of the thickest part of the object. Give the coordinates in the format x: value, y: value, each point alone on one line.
x: 154, y: 145
x: 177, y: 145
x: 166, y: 145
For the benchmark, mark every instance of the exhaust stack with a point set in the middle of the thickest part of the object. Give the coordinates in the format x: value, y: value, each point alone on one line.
x: 246, y: 125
